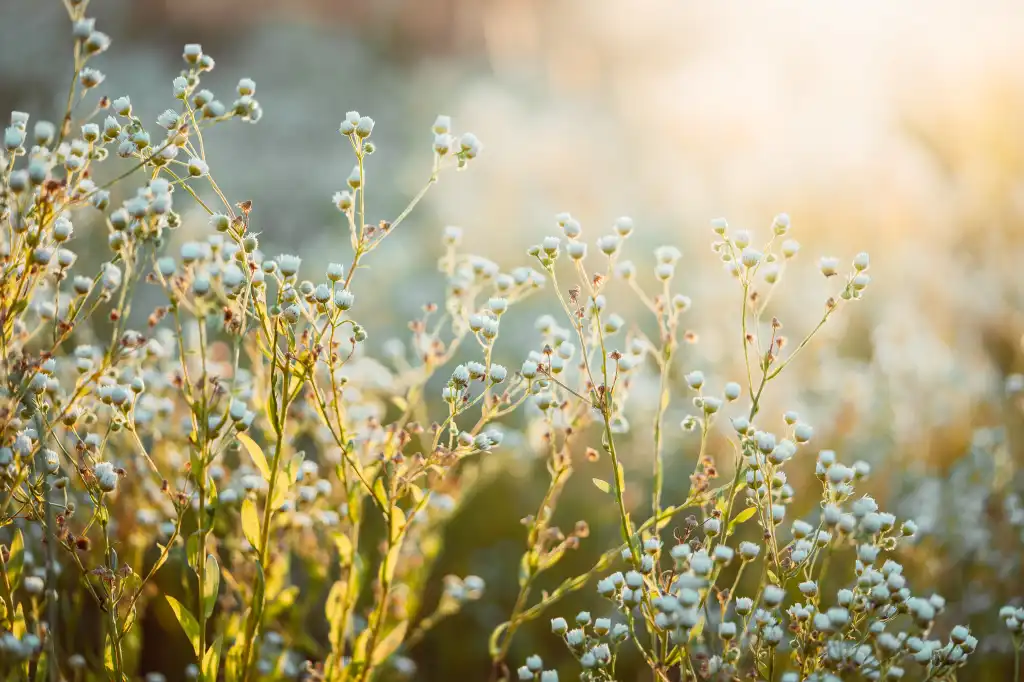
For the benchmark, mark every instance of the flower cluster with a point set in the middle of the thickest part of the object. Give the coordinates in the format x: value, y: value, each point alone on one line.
x: 243, y: 435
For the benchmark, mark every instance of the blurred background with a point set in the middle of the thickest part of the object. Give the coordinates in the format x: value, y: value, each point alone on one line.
x: 892, y: 128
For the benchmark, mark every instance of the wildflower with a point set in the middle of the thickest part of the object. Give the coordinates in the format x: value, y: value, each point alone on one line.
x: 106, y: 476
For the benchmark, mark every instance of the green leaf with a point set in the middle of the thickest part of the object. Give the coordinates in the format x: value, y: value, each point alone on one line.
x: 390, y: 643
x: 187, y: 621
x: 108, y: 661
x: 251, y: 523
x: 258, y: 593
x: 335, y: 611
x: 211, y: 585
x: 255, y: 453
x: 359, y: 648
x: 345, y: 551
x: 742, y: 516
x: 397, y: 523
x: 697, y: 629
x: 379, y: 494
x: 162, y: 559
x: 602, y: 485
x: 16, y: 561
x: 192, y: 550
x: 211, y: 660
x: 391, y: 562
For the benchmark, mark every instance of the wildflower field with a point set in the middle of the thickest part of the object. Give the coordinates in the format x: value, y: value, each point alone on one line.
x: 236, y: 448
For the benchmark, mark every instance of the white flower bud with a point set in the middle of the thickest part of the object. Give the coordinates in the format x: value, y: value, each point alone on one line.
x: 732, y: 390
x: 828, y: 266
x: 197, y: 167
x: 106, y: 476
x: 609, y: 244
x: 364, y: 127
x: 624, y: 226
x: 442, y: 125
x: 355, y: 179
x: 751, y: 257
x: 344, y: 299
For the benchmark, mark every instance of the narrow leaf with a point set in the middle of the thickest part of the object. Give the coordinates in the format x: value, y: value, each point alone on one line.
x: 390, y: 643
x: 601, y: 485
x: 397, y: 522
x: 742, y: 516
x: 255, y: 453
x: 16, y: 561
x: 187, y: 621
x: 211, y: 660
x: 211, y: 585
x: 251, y: 523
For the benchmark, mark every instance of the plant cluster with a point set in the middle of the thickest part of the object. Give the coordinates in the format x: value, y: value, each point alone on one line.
x: 245, y: 436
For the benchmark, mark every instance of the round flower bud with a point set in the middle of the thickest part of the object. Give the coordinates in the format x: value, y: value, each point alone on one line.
x: 442, y: 125
x: 781, y: 224
x: 828, y: 266
x: 246, y: 86
x: 719, y: 225
x: 861, y: 261
x: 470, y: 145
x: 106, y: 476
x: 122, y: 106
x: 550, y: 246
x: 335, y: 272
x: 192, y: 53
x: 732, y: 390
x: 355, y: 179
x: 559, y: 626
x: 695, y: 379
x: 624, y: 226
x: 197, y: 167
x: 772, y: 596
x: 576, y: 250
x: 96, y: 43
x: 364, y: 127
x: 625, y: 270
x: 802, y: 433
x: 608, y: 244
x: 860, y: 282
x: 751, y: 257
x: 220, y: 222
x: 343, y: 298
x: 14, y: 137
x: 288, y: 264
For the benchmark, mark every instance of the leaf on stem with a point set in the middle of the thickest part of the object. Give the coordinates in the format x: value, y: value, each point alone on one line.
x: 187, y: 621
x: 258, y: 458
